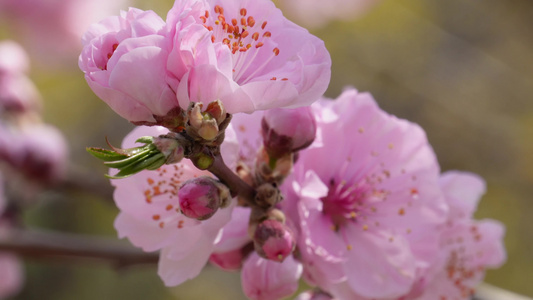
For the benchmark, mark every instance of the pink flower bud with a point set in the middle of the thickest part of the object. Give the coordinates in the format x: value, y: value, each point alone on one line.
x: 287, y: 130
x: 228, y: 261
x: 201, y: 197
x: 273, y: 240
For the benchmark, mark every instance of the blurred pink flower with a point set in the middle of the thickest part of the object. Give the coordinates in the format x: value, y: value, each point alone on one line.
x: 150, y: 215
x: 244, y: 53
x: 36, y: 150
x: 17, y: 91
x: 365, y: 218
x: 13, y: 58
x: 51, y: 29
x: 316, y: 13
x: 468, y: 247
x: 124, y: 60
x: 11, y: 275
x: 264, y: 279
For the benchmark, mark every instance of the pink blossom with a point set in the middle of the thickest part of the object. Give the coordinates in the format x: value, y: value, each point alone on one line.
x: 365, y: 202
x: 150, y: 216
x: 468, y: 247
x: 264, y: 279
x: 51, y: 29
x: 316, y: 13
x: 12, y: 276
x: 124, y: 60
x: 229, y: 261
x: 244, y: 53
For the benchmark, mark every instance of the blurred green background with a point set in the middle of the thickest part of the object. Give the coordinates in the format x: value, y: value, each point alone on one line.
x: 461, y: 69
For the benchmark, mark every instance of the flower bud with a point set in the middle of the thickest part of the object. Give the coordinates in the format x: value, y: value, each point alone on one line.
x: 171, y: 149
x: 287, y: 130
x: 273, y: 240
x: 228, y: 261
x: 201, y: 197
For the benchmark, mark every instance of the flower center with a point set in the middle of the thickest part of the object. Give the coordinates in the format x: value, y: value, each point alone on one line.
x: 245, y: 37
x: 345, y: 202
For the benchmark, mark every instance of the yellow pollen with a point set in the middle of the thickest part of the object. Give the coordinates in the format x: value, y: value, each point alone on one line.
x: 353, y: 215
x: 217, y: 22
x: 348, y: 247
x: 365, y: 227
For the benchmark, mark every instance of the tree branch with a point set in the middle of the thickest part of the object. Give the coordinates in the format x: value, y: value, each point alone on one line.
x: 41, y: 244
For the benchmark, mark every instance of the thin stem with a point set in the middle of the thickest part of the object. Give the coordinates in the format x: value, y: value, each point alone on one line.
x: 236, y: 185
x: 40, y: 244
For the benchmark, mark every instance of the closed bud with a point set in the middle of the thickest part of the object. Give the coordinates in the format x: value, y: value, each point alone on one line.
x: 273, y: 240
x: 171, y: 149
x: 287, y: 130
x: 201, y: 197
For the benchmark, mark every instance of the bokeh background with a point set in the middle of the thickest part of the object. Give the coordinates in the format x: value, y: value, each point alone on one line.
x: 463, y: 70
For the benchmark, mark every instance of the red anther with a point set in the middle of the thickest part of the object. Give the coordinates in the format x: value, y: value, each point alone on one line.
x: 273, y: 78
x: 243, y: 21
x: 207, y: 14
x: 255, y: 36
x: 244, y: 34
x: 221, y: 18
x: 248, y: 46
x: 267, y: 34
x: 259, y: 45
x: 225, y: 41
x: 234, y: 22
x: 217, y: 9
x: 243, y: 49
x: 276, y: 51
x: 210, y: 28
x: 231, y: 29
x: 213, y: 38
x: 251, y: 21
x: 285, y: 79
x: 204, y: 19
x: 264, y: 25
x: 243, y: 12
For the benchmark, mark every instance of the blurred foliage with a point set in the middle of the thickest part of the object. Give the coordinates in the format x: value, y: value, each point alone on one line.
x: 463, y: 70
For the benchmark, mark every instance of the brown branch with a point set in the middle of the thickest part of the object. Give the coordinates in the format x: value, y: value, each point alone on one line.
x: 50, y: 245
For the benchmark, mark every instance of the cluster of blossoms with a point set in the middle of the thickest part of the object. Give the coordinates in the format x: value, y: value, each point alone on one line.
x: 242, y: 167
x: 32, y: 148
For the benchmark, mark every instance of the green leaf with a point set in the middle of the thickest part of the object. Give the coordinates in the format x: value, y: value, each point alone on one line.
x: 129, y: 160
x: 104, y: 154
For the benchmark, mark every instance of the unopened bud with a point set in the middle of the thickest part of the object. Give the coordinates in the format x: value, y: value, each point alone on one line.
x: 171, y: 149
x: 287, y: 130
x: 201, y: 197
x: 273, y: 240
